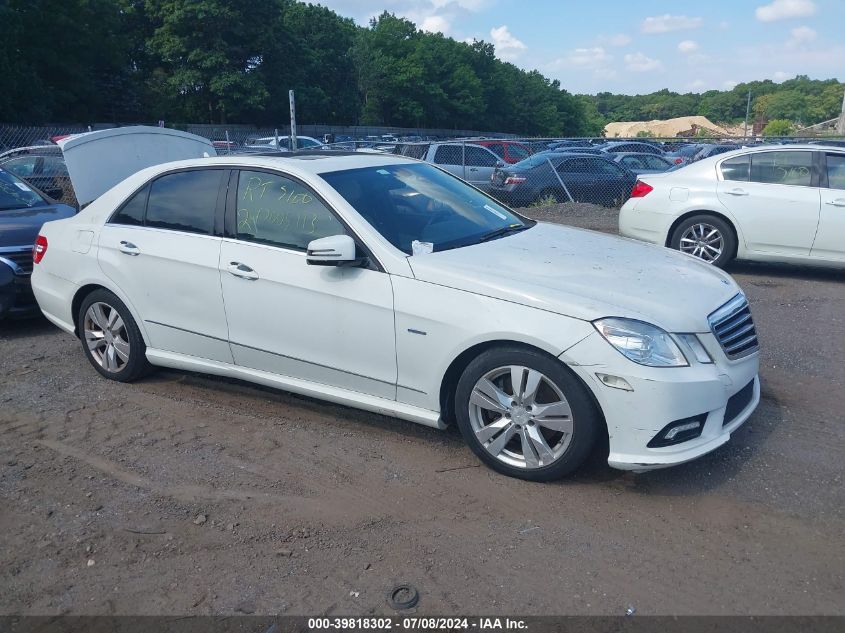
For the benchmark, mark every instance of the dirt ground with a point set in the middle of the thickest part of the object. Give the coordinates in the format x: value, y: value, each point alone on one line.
x: 188, y: 494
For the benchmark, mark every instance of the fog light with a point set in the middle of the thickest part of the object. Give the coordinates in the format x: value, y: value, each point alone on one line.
x: 615, y: 382
x: 679, y: 431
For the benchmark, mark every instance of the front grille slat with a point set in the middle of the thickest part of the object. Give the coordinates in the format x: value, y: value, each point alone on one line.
x: 19, y: 257
x: 733, y: 327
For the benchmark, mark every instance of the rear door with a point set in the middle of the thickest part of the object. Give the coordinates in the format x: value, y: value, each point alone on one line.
x: 161, y: 251
x: 830, y: 237
x: 774, y: 197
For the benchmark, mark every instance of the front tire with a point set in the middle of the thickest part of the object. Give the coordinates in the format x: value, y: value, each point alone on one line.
x: 525, y: 414
x: 707, y: 237
x: 111, y: 339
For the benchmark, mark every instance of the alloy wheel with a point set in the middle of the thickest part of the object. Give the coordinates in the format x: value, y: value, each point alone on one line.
x: 520, y: 417
x: 106, y: 337
x: 704, y: 241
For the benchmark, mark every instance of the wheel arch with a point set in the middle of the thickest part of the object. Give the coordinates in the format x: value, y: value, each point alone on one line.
x: 453, y: 373
x: 688, y: 214
x: 86, y: 289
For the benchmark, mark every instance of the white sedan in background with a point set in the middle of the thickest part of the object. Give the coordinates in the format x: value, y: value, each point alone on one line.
x: 389, y: 285
x: 783, y: 203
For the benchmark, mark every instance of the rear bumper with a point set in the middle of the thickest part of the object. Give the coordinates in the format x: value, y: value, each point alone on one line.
x: 661, y: 396
x: 16, y: 298
x: 646, y: 226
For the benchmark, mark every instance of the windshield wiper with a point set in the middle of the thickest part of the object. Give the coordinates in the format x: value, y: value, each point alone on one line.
x: 505, y: 230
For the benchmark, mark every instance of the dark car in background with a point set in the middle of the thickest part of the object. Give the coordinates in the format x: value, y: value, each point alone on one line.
x: 23, y: 211
x: 713, y: 149
x: 43, y: 167
x: 561, y: 177
x: 644, y: 163
x: 632, y: 147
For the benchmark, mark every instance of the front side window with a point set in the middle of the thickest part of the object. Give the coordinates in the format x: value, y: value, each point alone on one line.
x: 517, y: 152
x: 782, y: 168
x: 497, y: 148
x: 736, y: 168
x: 184, y: 201
x: 449, y: 155
x: 281, y: 212
x: 418, y: 202
x: 836, y: 171
x: 479, y: 157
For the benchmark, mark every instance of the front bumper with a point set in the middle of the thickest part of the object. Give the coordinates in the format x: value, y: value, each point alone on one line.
x: 661, y: 396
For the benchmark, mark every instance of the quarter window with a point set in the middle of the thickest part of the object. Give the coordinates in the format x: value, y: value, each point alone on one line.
x: 736, y: 168
x: 278, y: 211
x: 836, y: 171
x: 132, y: 211
x: 782, y: 168
x: 185, y: 201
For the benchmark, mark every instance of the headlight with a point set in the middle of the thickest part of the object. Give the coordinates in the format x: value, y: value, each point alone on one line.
x: 641, y: 342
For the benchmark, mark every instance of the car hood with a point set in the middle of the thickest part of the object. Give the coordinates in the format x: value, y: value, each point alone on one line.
x: 586, y: 275
x: 19, y: 227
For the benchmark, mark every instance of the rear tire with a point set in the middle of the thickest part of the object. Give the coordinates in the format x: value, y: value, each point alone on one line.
x: 541, y: 430
x: 707, y: 237
x: 111, y: 339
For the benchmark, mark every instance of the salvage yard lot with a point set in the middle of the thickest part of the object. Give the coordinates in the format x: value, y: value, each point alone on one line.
x: 192, y: 494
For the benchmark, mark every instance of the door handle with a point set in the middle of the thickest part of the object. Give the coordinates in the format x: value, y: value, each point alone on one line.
x: 128, y: 248
x: 737, y: 192
x: 242, y: 270
x: 473, y: 168
x: 839, y: 202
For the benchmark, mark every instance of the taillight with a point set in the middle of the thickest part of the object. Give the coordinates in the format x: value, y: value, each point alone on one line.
x: 514, y: 180
x: 38, y: 249
x: 678, y: 161
x: 641, y: 189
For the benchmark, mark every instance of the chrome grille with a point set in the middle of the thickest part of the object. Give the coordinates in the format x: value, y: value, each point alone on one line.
x: 734, y: 328
x: 19, y: 258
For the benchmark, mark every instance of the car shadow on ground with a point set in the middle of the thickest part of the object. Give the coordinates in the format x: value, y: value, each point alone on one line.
x: 770, y: 272
x: 19, y: 328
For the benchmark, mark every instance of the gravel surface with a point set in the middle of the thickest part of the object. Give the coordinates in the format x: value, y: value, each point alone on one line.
x: 188, y: 494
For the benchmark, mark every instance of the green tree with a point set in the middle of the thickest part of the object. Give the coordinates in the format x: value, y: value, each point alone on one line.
x: 778, y: 127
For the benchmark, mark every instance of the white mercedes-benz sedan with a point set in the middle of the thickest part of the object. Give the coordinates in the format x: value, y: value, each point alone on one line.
x: 780, y: 203
x: 387, y: 284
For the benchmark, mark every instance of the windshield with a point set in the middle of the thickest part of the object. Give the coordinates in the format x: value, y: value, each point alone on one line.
x: 16, y: 194
x: 420, y: 203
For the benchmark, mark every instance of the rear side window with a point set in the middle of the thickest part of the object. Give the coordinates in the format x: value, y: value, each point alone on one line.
x: 517, y: 152
x: 836, y: 171
x: 132, y: 211
x: 736, y: 168
x: 782, y: 168
x: 281, y: 212
x: 449, y: 155
x: 185, y: 201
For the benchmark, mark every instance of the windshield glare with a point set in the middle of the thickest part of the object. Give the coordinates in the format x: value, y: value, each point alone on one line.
x: 418, y: 202
x: 16, y: 194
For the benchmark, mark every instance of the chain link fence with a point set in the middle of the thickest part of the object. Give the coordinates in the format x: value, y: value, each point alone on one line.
x: 520, y: 172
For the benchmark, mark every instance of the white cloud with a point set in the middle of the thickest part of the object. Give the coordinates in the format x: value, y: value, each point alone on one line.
x: 729, y: 84
x: 785, y: 9
x: 507, y: 46
x: 696, y: 86
x: 435, y: 24
x: 668, y: 23
x: 641, y: 63
x: 688, y: 46
x: 781, y: 76
x: 800, y: 36
x: 595, y: 56
x: 620, y: 39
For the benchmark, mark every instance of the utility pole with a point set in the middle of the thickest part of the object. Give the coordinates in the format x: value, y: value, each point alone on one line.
x: 747, y: 112
x: 840, y: 126
x: 292, y: 121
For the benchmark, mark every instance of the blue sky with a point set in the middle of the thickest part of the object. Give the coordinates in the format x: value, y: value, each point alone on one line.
x: 640, y: 46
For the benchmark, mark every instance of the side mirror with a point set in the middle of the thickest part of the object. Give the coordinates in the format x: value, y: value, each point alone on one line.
x: 334, y: 250
x: 500, y: 164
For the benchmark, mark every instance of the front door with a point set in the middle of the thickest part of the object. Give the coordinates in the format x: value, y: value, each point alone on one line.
x: 324, y: 324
